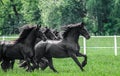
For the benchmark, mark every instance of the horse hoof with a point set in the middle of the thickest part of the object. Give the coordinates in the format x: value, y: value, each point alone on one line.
x: 5, y: 70
x: 83, y: 64
x: 43, y: 67
x: 83, y: 70
x: 29, y: 70
x: 23, y: 64
x: 56, y: 71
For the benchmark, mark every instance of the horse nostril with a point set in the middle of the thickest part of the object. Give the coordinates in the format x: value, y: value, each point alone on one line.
x: 88, y: 37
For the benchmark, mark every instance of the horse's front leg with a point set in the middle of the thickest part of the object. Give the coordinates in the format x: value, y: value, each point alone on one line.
x: 27, y: 57
x: 12, y: 64
x: 29, y: 68
x: 28, y: 60
x: 74, y: 57
x: 35, y: 64
x: 85, y: 58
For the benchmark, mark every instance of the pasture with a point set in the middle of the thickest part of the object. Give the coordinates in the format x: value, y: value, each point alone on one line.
x: 101, y: 62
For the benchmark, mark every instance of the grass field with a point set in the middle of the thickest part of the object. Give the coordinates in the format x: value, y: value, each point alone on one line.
x: 101, y: 62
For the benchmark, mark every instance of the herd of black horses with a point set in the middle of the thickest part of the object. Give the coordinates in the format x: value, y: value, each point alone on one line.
x: 36, y: 46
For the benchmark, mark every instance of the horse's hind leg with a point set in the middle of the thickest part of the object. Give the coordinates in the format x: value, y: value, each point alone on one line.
x: 5, y: 65
x: 43, y: 63
x: 85, y: 58
x: 50, y: 64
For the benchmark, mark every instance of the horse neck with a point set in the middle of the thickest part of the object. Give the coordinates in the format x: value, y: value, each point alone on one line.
x: 51, y: 36
x: 30, y: 40
x: 72, y: 37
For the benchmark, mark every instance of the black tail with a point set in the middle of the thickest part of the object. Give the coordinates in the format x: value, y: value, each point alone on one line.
x: 1, y: 51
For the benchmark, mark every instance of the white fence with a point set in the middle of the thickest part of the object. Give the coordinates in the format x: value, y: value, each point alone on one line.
x: 85, y: 42
x: 114, y: 40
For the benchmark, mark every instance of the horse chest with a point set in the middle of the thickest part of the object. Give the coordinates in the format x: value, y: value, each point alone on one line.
x: 73, y: 47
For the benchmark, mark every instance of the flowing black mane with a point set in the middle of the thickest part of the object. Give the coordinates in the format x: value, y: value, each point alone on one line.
x: 67, y: 28
x: 26, y: 26
x: 24, y: 34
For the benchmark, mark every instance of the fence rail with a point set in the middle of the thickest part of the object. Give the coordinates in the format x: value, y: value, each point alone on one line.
x: 85, y: 47
x: 115, y: 43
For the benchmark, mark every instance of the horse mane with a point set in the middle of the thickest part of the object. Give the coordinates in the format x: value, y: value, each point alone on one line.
x: 26, y: 26
x: 24, y: 34
x: 67, y: 28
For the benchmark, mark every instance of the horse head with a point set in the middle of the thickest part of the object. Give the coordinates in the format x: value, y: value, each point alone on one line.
x: 83, y: 31
x: 75, y: 29
x: 40, y: 34
x: 49, y: 34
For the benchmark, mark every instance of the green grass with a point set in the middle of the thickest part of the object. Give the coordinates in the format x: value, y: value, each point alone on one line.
x: 101, y: 62
x: 98, y: 65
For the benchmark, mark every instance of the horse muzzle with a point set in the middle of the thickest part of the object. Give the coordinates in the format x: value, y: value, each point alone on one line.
x: 87, y: 37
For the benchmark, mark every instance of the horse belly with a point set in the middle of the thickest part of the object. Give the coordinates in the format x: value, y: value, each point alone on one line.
x: 58, y: 52
x: 13, y: 54
x: 60, y: 55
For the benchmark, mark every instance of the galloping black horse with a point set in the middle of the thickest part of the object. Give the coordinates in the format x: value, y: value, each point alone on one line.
x: 66, y: 47
x: 22, y: 48
x: 50, y: 36
x: 1, y: 51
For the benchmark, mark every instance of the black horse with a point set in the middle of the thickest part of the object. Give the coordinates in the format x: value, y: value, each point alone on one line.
x: 1, y: 51
x: 50, y: 36
x: 22, y: 48
x: 66, y: 47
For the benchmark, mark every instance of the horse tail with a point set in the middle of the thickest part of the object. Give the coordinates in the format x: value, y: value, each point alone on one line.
x: 1, y: 50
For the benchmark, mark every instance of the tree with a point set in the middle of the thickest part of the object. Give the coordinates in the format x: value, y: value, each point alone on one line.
x: 99, y: 11
x: 115, y: 17
x: 31, y: 12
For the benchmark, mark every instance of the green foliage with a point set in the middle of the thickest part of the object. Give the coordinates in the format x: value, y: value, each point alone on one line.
x: 31, y: 12
x: 115, y: 16
x: 101, y: 16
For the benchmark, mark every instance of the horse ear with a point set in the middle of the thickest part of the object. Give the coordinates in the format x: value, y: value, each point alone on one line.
x: 81, y: 24
x: 38, y: 26
x: 46, y: 27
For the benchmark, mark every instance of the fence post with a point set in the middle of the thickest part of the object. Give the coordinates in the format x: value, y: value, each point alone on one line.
x: 115, y: 45
x: 84, y: 45
x: 3, y: 38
